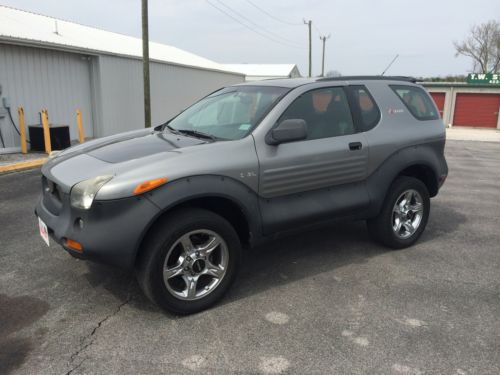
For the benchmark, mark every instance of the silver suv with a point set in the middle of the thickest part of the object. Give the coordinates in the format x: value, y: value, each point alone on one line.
x: 246, y: 164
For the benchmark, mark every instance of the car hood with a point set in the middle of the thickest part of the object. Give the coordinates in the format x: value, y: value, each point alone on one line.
x: 111, y: 155
x: 141, y: 146
x: 130, y: 145
x: 135, y: 157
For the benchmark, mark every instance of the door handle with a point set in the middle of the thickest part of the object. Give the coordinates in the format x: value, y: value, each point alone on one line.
x: 354, y: 146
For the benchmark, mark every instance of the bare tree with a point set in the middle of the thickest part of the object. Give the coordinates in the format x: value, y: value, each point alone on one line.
x: 483, y: 46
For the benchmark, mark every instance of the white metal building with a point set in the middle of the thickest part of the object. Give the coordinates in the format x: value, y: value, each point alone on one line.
x: 62, y: 66
x: 257, y: 72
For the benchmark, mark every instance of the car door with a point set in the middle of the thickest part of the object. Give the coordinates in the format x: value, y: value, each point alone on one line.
x: 319, y: 177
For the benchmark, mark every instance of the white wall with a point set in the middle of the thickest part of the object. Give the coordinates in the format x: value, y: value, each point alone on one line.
x: 173, y: 88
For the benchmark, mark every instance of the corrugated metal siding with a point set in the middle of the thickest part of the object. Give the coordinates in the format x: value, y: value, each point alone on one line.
x: 173, y: 88
x: 121, y: 91
x: 478, y: 110
x: 38, y: 78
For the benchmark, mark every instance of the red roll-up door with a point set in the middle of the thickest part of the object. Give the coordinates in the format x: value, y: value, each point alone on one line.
x: 439, y: 98
x: 478, y: 110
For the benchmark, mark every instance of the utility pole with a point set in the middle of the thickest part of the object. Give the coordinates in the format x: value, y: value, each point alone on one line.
x: 309, y: 23
x: 145, y: 64
x: 323, y: 38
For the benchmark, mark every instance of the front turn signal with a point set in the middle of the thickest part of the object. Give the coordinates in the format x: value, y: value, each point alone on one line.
x: 149, y: 185
x: 73, y: 245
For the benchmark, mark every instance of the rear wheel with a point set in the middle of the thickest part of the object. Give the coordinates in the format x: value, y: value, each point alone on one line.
x: 404, y: 214
x: 189, y: 261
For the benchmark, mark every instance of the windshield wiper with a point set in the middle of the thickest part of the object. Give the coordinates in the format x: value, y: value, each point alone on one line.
x: 172, y: 130
x: 196, y: 133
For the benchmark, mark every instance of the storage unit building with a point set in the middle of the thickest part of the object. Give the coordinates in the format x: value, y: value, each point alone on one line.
x: 463, y: 104
x: 62, y: 66
x: 439, y: 98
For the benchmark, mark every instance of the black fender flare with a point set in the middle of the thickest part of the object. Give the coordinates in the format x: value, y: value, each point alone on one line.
x: 177, y: 192
x: 424, y: 155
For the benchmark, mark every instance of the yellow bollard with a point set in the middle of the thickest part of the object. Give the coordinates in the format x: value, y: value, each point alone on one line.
x: 81, y: 133
x: 46, y: 131
x: 22, y: 130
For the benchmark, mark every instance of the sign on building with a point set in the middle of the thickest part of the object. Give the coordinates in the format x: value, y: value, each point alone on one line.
x: 484, y: 78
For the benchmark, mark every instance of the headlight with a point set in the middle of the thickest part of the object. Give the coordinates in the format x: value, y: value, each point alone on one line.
x: 54, y: 154
x: 83, y: 193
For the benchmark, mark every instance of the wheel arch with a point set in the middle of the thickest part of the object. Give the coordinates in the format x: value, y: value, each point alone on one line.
x: 422, y: 162
x: 224, y: 196
x: 424, y: 173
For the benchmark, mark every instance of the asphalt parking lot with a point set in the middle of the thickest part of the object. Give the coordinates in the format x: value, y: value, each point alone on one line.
x: 327, y: 301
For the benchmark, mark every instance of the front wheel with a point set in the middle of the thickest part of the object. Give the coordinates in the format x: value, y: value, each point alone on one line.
x: 404, y: 214
x: 189, y: 261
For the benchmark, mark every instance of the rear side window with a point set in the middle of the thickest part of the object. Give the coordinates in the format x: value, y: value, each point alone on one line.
x: 366, y: 108
x: 417, y: 102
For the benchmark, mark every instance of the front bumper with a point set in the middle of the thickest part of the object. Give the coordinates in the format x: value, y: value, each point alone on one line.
x: 111, y: 232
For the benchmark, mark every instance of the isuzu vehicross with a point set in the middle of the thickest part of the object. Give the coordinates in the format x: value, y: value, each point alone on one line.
x: 247, y: 163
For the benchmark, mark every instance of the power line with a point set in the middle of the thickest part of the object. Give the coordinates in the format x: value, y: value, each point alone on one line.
x: 317, y: 29
x: 249, y: 27
x: 255, y: 24
x: 273, y: 16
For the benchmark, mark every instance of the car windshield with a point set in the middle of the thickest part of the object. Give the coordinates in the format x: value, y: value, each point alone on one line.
x: 228, y: 114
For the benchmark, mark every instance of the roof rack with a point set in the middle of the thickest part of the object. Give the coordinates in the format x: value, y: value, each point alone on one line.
x: 371, y: 78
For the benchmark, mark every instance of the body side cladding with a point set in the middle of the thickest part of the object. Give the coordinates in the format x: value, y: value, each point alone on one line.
x: 281, y: 214
x: 425, y: 155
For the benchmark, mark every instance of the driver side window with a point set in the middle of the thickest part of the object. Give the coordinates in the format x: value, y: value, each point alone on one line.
x: 326, y: 112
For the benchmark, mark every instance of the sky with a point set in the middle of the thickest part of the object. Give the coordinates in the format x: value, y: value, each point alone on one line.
x: 365, y: 35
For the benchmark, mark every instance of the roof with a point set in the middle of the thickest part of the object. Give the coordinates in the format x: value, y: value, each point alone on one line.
x: 263, y: 70
x: 280, y: 82
x: 22, y: 27
x: 369, y: 78
x: 296, y: 82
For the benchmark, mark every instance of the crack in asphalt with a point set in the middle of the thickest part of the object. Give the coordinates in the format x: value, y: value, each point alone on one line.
x: 92, y: 338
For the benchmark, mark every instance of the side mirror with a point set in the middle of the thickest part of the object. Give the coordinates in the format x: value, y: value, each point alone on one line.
x: 287, y: 131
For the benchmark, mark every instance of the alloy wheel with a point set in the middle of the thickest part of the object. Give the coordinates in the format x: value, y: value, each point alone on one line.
x: 195, y: 264
x: 407, y: 213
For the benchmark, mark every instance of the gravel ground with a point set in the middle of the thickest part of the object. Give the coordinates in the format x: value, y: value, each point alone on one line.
x: 327, y: 301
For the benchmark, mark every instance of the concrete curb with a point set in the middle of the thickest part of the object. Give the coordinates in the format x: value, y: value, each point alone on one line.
x: 22, y: 165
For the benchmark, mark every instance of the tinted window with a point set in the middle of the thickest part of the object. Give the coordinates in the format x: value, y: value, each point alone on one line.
x: 417, y: 102
x: 326, y: 112
x: 369, y: 113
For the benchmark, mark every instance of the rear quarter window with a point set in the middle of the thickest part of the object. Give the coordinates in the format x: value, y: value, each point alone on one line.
x: 417, y: 101
x: 366, y: 110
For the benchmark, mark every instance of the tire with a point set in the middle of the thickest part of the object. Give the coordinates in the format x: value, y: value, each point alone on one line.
x: 383, y: 228
x: 165, y: 247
